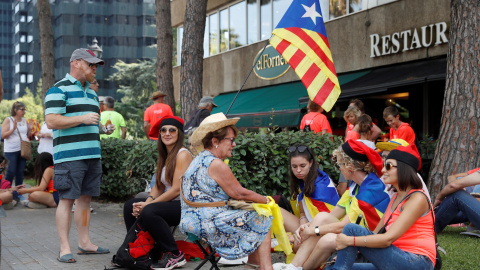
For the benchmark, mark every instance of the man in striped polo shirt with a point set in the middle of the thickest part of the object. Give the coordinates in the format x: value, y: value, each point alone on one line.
x: 72, y: 111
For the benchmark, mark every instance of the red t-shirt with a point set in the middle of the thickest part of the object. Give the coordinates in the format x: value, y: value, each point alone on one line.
x: 404, y: 132
x: 317, y: 122
x: 474, y: 170
x: 351, y: 134
x: 155, y: 113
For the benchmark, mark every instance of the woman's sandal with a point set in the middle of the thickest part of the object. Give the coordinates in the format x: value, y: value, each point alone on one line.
x: 251, y: 265
x: 67, y: 258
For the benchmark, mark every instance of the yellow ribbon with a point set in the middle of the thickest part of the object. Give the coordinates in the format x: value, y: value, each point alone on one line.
x: 272, y: 209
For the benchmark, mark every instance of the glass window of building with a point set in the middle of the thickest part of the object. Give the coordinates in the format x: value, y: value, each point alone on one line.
x: 338, y: 8
x: 238, y: 34
x: 206, y: 38
x: 279, y: 9
x: 224, y: 30
x: 265, y: 19
x: 29, y: 78
x: 355, y: 5
x: 213, y: 28
x: 252, y: 21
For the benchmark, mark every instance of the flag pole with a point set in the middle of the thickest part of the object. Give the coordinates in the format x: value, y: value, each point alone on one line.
x: 238, y: 92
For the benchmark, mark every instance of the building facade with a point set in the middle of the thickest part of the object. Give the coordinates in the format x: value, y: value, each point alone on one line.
x: 385, y: 53
x: 124, y: 29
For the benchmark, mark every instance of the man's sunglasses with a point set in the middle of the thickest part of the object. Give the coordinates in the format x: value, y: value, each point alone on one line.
x: 388, y: 166
x: 170, y: 130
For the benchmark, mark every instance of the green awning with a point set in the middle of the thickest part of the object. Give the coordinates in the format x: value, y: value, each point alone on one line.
x: 263, y: 107
x: 276, y: 105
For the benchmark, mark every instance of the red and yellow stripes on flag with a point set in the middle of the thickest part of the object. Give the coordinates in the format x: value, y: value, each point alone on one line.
x: 308, y: 53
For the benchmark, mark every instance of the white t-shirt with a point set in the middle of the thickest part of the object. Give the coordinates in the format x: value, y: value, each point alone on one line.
x: 12, y: 142
x: 45, y: 144
x: 162, y: 178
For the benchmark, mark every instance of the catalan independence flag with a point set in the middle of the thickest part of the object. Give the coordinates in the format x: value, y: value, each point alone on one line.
x: 301, y: 39
x: 323, y: 199
x: 367, y: 201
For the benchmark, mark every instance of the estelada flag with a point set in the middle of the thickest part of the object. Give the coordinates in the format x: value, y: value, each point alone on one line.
x: 365, y: 204
x: 301, y: 39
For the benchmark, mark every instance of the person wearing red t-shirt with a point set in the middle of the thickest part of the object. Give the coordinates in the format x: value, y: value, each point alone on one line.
x: 315, y: 119
x: 398, y: 129
x: 155, y: 112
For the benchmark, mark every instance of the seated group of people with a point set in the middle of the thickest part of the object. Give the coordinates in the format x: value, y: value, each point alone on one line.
x: 42, y: 195
x: 388, y: 220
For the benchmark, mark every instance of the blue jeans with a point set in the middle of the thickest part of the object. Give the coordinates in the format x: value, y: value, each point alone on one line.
x: 16, y: 167
x: 459, y: 201
x: 381, y: 258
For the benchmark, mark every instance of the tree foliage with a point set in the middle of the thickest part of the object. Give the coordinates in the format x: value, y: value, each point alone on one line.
x: 33, y: 101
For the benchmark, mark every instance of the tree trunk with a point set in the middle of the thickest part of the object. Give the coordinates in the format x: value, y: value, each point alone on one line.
x: 191, y: 73
x: 46, y: 45
x: 458, y: 147
x: 164, y: 51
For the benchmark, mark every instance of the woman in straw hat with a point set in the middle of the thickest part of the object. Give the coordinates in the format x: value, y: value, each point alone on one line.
x: 363, y: 202
x: 161, y: 209
x: 233, y: 233
x: 409, y: 239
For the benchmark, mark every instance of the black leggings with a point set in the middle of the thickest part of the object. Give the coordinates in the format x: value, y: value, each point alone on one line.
x: 156, y: 218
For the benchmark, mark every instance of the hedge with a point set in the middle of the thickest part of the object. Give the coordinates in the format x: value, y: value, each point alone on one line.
x: 259, y: 161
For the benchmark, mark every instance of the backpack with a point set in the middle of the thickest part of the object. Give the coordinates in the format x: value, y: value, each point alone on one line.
x: 137, y: 250
x: 194, y: 122
x: 307, y: 127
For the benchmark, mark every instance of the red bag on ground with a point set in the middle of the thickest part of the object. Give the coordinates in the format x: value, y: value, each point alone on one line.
x: 142, y: 245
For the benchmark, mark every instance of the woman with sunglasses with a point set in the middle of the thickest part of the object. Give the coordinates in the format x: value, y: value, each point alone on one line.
x: 409, y: 238
x: 363, y: 202
x: 161, y: 209
x: 312, y: 188
x: 208, y: 184
x: 12, y: 128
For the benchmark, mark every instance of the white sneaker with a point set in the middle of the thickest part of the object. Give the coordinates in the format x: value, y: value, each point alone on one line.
x: 25, y: 202
x: 284, y: 266
x: 35, y: 205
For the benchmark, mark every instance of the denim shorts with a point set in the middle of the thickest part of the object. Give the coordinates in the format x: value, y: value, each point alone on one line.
x: 79, y: 177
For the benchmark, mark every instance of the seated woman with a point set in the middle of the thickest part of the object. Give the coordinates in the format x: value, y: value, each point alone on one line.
x: 6, y: 190
x: 317, y: 191
x: 409, y: 240
x: 161, y: 209
x: 233, y: 233
x: 43, y: 194
x: 363, y: 202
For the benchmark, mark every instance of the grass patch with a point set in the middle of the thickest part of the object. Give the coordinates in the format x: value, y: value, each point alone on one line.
x: 29, y: 181
x: 462, y: 251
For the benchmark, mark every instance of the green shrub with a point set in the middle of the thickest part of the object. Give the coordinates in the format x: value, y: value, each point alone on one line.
x: 260, y: 160
x: 126, y: 165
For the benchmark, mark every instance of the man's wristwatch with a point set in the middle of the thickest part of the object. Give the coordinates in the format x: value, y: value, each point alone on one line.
x: 317, y: 231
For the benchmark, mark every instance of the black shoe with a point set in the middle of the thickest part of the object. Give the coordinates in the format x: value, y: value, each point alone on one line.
x: 170, y: 261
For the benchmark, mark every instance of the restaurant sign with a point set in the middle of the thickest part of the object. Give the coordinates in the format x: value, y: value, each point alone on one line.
x: 270, y: 64
x: 411, y: 39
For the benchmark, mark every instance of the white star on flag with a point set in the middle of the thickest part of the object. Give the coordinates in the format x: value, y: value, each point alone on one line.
x: 311, y: 12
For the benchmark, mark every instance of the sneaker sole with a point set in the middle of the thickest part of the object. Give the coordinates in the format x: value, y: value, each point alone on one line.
x: 178, y: 264
x: 470, y: 234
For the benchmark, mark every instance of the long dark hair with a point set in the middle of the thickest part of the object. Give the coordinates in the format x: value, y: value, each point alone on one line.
x: 407, y: 176
x: 42, y: 162
x: 309, y: 183
x: 169, y: 160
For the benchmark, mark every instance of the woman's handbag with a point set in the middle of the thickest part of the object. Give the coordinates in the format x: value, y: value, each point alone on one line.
x: 25, y: 148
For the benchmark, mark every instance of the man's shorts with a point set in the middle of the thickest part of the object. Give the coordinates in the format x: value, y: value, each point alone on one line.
x: 79, y: 177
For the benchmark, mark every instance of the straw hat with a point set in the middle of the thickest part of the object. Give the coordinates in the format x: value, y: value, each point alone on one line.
x: 210, y: 124
x: 158, y: 94
x: 390, y: 145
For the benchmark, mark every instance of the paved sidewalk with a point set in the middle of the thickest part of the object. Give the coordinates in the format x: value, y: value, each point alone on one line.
x: 30, y: 240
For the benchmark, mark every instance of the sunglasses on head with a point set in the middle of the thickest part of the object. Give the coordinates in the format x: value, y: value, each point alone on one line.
x: 299, y: 148
x: 171, y: 130
x: 388, y: 166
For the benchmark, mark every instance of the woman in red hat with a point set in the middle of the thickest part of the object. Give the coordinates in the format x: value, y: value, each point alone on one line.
x: 409, y: 238
x: 363, y: 202
x: 161, y: 209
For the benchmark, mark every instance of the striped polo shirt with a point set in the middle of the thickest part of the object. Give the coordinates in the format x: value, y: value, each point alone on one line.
x: 68, y: 98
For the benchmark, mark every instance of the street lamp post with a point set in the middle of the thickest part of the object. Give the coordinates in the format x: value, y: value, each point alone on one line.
x: 95, y: 48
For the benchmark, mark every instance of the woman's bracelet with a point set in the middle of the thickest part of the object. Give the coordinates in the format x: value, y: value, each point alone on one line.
x: 354, y: 241
x: 303, y: 217
x: 365, y: 241
x: 268, y: 200
x: 151, y: 197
